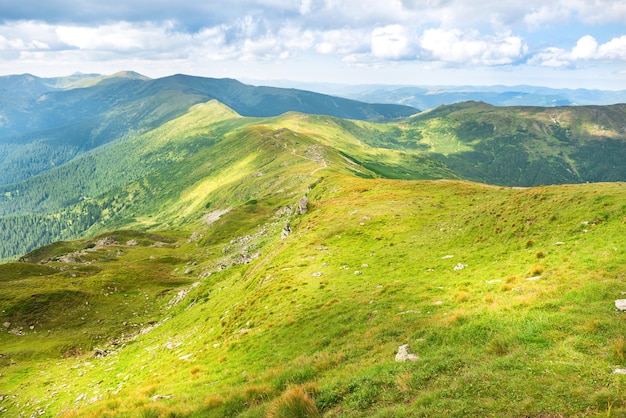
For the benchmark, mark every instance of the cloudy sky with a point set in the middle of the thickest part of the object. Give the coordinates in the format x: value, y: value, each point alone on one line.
x: 556, y: 43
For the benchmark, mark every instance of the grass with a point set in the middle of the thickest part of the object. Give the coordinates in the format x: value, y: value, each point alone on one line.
x: 505, y: 294
x: 256, y: 339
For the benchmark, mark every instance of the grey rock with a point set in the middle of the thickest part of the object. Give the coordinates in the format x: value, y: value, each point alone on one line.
x: 620, y: 304
x: 285, y: 232
x: 303, y: 205
x: 405, y: 355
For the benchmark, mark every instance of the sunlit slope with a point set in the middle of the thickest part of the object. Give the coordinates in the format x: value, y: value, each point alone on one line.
x: 527, y: 146
x: 505, y: 295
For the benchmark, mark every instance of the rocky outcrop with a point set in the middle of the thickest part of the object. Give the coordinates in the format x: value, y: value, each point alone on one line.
x: 285, y: 232
x: 303, y: 205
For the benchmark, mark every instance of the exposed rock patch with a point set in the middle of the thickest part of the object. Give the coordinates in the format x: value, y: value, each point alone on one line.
x: 303, y: 205
x: 404, y: 354
x: 212, y: 217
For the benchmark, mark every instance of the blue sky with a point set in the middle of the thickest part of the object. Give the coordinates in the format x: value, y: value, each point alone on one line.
x: 560, y: 43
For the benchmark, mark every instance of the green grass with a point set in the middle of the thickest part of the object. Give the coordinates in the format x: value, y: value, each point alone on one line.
x: 252, y: 337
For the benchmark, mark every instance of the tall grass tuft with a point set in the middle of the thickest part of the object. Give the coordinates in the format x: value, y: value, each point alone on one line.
x: 293, y: 403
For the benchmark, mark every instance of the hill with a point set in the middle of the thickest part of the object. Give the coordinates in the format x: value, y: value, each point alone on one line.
x: 506, y: 146
x: 505, y: 297
x: 225, y: 265
x: 43, y: 126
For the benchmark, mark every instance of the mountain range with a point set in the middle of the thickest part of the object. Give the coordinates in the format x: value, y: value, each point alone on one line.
x: 196, y: 247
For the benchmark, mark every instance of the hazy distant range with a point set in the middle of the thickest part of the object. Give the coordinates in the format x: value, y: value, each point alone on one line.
x: 428, y: 97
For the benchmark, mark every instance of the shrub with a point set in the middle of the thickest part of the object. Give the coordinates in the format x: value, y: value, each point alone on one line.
x: 293, y: 403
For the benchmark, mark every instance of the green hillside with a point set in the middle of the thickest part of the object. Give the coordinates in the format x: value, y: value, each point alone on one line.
x: 472, y: 141
x: 218, y: 265
x: 506, y: 296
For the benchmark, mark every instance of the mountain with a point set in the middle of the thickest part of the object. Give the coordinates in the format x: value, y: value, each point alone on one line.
x: 245, y: 299
x: 429, y: 97
x: 48, y: 126
x: 512, y: 146
x: 191, y: 260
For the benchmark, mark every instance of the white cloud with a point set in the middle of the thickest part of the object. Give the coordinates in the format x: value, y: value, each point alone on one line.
x: 454, y: 46
x: 391, y: 42
x: 586, y: 49
x: 341, y: 41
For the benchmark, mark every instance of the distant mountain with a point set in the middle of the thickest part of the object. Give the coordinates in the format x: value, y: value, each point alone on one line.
x: 47, y: 122
x: 429, y: 97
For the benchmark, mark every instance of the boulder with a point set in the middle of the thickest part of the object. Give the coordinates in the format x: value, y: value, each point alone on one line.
x: 303, y: 205
x: 404, y: 355
x: 285, y: 232
x: 620, y: 304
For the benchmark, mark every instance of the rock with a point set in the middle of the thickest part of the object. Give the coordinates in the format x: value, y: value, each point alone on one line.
x: 459, y: 266
x: 559, y: 243
x: 212, y: 217
x: 188, y: 271
x: 404, y: 355
x: 302, y: 206
x: 531, y: 279
x: 285, y: 232
x: 157, y: 397
x: 7, y: 324
x: 317, y: 274
x: 620, y: 304
x: 445, y: 257
x: 619, y: 371
x: 357, y: 272
x: 131, y: 243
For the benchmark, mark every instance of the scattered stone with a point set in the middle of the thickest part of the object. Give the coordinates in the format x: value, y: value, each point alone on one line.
x: 285, y: 232
x: 459, y: 266
x: 493, y: 281
x: 531, y: 279
x: 6, y: 324
x: 620, y: 304
x: 302, y: 206
x: 438, y: 302
x: 185, y: 357
x: 188, y: 271
x: 404, y: 355
x: 619, y: 371
x: 98, y: 352
x: 317, y: 274
x: 559, y: 243
x: 131, y: 243
x: 365, y: 265
x: 357, y: 272
x: 157, y: 397
x: 445, y: 257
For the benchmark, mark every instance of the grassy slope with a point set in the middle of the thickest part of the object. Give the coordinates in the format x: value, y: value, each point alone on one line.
x: 490, y: 341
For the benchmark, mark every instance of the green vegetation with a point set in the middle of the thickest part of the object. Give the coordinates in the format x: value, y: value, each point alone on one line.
x: 314, y: 321
x: 187, y: 280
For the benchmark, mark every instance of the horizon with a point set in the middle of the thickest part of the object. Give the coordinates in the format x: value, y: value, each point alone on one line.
x: 287, y: 83
x: 564, y: 44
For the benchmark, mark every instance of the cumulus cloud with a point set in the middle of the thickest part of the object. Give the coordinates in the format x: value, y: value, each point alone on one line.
x: 454, y: 46
x: 370, y: 33
x: 392, y: 42
x: 586, y: 49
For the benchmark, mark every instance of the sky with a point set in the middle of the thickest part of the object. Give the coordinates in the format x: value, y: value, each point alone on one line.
x: 556, y: 43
